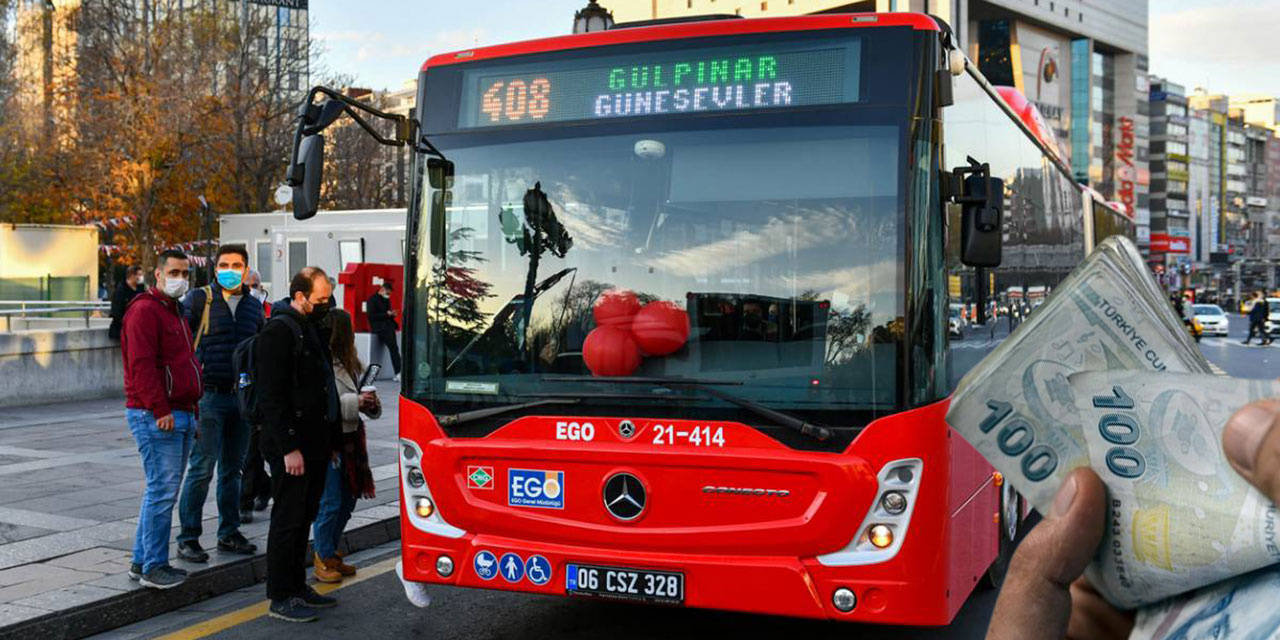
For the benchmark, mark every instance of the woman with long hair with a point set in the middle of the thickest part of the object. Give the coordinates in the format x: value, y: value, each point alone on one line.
x: 349, y: 477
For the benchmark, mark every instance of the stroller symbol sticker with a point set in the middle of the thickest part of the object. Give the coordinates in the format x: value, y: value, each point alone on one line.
x: 486, y: 565
x: 538, y: 570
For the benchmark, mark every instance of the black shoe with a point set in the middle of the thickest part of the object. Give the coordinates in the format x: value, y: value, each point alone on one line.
x: 135, y: 571
x: 316, y: 601
x: 162, y: 577
x: 246, y: 516
x: 191, y: 551
x: 291, y: 610
x: 260, y: 504
x: 236, y: 543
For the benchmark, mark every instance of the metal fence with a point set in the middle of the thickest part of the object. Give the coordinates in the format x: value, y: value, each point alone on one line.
x: 46, y: 288
x: 10, y: 309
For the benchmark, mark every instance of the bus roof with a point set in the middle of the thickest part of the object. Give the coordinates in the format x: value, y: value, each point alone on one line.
x: 917, y: 21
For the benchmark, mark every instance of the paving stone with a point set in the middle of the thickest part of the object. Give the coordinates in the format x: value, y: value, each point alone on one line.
x: 67, y: 597
x: 43, y: 520
x: 43, y: 548
x: 28, y: 580
x: 116, y: 582
x: 13, y: 613
x: 15, y: 532
x: 100, y: 559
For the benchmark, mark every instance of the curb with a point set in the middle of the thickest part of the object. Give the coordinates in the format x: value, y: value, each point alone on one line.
x: 140, y: 604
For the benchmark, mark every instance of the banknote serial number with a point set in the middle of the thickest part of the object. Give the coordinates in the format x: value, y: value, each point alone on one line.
x: 1017, y: 439
x: 1120, y: 428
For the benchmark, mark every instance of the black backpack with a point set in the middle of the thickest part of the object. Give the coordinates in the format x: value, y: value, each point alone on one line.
x: 245, y: 361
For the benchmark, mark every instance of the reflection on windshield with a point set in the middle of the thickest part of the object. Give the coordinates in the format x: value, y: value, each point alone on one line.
x: 767, y: 257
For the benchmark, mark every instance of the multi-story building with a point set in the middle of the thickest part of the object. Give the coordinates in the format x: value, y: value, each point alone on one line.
x: 1172, y: 240
x: 51, y: 51
x: 1082, y: 62
x: 1203, y: 197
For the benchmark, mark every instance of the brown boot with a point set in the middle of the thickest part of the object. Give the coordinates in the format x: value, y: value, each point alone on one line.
x: 323, y: 572
x: 338, y: 565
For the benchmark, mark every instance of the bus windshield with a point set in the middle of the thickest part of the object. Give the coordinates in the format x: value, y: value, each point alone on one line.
x: 782, y: 247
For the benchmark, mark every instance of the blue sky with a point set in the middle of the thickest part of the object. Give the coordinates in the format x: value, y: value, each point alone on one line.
x: 382, y: 43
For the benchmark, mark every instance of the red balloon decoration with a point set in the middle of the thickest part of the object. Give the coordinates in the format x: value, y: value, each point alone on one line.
x: 660, y: 328
x: 610, y: 351
x: 616, y: 308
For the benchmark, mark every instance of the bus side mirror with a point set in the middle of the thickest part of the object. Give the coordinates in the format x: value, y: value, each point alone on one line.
x: 440, y: 173
x: 304, y: 176
x: 981, y: 200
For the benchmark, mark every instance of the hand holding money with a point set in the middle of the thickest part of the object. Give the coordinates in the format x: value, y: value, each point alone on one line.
x: 1104, y: 376
x: 1244, y: 607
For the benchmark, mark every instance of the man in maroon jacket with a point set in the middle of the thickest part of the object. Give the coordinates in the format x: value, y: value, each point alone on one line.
x: 162, y: 387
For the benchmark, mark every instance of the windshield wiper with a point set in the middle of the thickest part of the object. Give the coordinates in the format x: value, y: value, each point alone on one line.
x: 813, y: 430
x: 456, y: 419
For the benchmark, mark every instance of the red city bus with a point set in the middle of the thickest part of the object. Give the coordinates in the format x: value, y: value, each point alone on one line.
x: 676, y: 314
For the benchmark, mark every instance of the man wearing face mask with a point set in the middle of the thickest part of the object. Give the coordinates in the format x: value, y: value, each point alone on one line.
x: 162, y: 385
x: 382, y: 323
x: 298, y: 400
x: 124, y: 293
x: 255, y: 484
x: 221, y: 316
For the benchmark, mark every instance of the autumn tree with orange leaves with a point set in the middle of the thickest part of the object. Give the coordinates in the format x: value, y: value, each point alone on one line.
x: 164, y: 106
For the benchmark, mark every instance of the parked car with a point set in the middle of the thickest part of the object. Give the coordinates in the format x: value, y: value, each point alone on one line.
x: 1273, y: 315
x: 956, y: 322
x: 1213, y: 319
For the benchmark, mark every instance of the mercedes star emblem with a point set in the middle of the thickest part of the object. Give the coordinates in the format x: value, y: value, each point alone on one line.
x: 627, y: 428
x: 624, y: 496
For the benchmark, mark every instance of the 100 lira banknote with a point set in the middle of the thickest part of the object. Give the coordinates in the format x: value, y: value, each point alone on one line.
x: 1178, y: 516
x: 1017, y: 408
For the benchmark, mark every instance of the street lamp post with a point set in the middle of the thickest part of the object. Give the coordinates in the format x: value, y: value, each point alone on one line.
x: 207, y: 212
x: 592, y: 17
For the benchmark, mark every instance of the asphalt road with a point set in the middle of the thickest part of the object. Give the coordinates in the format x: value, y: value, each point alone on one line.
x: 1238, y: 360
x: 375, y: 607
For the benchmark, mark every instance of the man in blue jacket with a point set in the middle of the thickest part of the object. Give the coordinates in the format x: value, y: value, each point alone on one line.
x: 221, y: 316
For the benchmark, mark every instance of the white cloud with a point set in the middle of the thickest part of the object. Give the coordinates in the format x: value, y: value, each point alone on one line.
x: 1223, y: 45
x: 350, y: 36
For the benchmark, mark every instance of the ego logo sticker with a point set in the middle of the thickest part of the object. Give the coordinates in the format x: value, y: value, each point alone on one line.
x: 535, y: 488
x: 479, y: 477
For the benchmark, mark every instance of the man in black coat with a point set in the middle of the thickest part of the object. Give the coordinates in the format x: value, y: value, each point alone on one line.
x: 1258, y: 314
x: 298, y: 402
x: 382, y: 323
x: 125, y: 291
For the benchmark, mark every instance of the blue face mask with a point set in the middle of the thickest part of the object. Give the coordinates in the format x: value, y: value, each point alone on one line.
x: 229, y: 278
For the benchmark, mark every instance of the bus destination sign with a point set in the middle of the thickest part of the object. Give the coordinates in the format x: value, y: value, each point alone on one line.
x: 700, y: 81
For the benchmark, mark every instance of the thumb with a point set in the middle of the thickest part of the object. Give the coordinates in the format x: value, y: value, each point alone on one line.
x: 1035, y: 601
x: 1251, y: 442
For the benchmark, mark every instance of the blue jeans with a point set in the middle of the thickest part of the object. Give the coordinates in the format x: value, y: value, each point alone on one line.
x: 224, y: 441
x: 164, y: 458
x: 336, y: 505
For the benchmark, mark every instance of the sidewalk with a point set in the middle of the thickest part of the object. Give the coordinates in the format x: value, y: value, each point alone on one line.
x: 70, y: 487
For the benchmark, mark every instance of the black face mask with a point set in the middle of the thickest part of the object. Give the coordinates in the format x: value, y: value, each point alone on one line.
x: 319, y: 311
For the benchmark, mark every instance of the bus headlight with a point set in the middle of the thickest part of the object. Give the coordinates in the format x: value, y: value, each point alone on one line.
x: 414, y: 477
x: 894, y: 502
x: 424, y: 507
x: 880, y: 535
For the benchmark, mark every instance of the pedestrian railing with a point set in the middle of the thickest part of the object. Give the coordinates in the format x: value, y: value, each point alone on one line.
x: 10, y: 309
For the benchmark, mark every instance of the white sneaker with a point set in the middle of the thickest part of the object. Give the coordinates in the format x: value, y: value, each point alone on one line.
x: 397, y: 378
x: 416, y: 592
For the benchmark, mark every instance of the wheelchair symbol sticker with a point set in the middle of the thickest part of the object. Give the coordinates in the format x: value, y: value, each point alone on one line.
x: 538, y: 570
